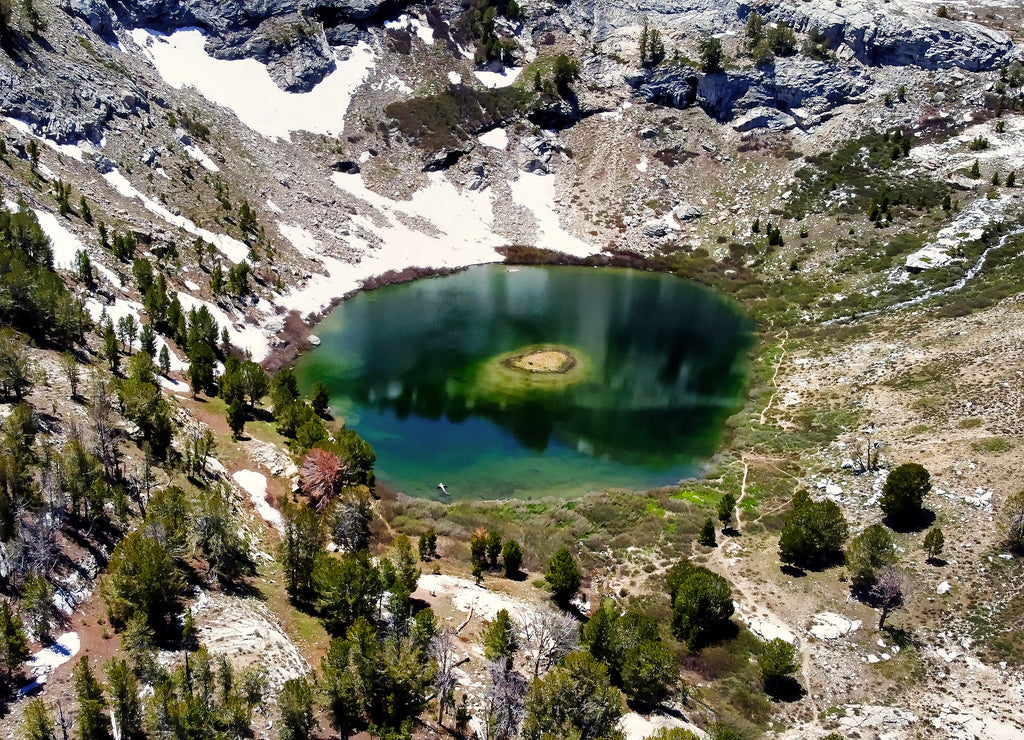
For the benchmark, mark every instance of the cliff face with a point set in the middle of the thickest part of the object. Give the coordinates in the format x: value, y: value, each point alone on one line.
x: 879, y: 34
x: 292, y: 38
x: 70, y: 96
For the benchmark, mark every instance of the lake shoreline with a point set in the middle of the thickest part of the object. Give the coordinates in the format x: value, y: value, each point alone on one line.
x: 529, y: 312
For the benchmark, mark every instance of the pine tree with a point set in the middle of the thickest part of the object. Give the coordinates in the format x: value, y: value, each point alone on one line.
x: 13, y: 642
x: 706, y: 536
x: 84, y: 211
x: 564, y: 577
x: 236, y: 418
x: 512, y: 558
x: 124, y: 694
x: 296, y: 704
x: 92, y: 722
x: 320, y: 399
x: 934, y: 542
x: 725, y: 508
x: 501, y: 639
x: 37, y: 723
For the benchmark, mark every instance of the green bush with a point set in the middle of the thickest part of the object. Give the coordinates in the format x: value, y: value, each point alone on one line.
x: 904, y: 492
x: 701, y: 607
x: 868, y: 553
x: 813, y: 533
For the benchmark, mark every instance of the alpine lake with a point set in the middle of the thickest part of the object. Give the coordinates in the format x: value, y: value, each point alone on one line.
x: 528, y: 382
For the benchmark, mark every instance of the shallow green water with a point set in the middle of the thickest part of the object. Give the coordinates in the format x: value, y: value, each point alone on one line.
x: 412, y: 368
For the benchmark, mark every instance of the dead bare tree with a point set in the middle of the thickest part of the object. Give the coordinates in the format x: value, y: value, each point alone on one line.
x: 866, y: 451
x: 506, y: 704
x: 550, y: 635
x: 350, y: 519
x: 889, y: 592
x: 442, y: 650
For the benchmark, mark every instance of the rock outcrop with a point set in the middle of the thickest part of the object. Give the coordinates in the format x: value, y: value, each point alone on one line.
x: 291, y: 37
x: 879, y: 36
x: 788, y: 84
x: 69, y: 114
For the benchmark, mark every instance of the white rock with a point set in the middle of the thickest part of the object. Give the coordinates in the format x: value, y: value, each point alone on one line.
x: 831, y: 626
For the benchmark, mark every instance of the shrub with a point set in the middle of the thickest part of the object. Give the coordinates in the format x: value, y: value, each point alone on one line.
x: 1012, y: 521
x: 813, y: 533
x: 574, y: 700
x: 702, y: 606
x: 777, y: 660
x: 904, y: 492
x: 933, y: 543
x: 868, y: 553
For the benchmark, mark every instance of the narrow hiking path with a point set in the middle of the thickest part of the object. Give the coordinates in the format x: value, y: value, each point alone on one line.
x: 775, y: 375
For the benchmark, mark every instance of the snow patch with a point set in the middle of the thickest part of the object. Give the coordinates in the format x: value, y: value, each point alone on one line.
x: 116, y: 310
x: 200, y: 156
x: 457, y: 231
x: 496, y: 138
x: 60, y: 652
x: 537, y: 193
x: 65, y: 245
x: 246, y: 88
x: 300, y: 238
x: 494, y: 80
x: 255, y: 484
x: 455, y: 78
x: 414, y: 25
x: 174, y: 386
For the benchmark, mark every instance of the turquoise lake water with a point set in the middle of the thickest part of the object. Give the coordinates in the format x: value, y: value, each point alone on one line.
x: 415, y: 370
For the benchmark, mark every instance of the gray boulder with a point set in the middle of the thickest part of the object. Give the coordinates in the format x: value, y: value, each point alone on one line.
x: 655, y: 229
x: 686, y: 212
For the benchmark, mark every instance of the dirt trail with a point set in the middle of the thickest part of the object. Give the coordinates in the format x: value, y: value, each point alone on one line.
x: 775, y: 375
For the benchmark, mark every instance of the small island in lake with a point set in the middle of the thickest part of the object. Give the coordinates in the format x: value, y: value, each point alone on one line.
x: 550, y: 360
x: 526, y: 370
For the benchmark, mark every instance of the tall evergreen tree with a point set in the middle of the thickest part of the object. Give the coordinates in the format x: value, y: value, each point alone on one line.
x: 92, y: 721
